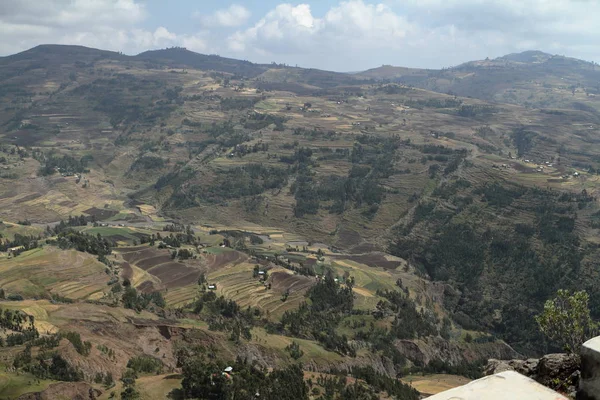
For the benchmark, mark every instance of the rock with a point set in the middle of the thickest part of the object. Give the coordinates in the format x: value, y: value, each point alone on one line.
x: 558, y: 371
x: 524, y: 367
x: 422, y: 351
x: 558, y: 367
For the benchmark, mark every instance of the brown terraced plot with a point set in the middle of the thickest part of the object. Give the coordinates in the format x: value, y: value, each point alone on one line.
x: 216, y: 261
x: 157, y: 262
x: 172, y: 273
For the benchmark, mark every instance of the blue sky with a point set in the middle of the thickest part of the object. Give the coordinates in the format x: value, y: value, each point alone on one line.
x: 341, y: 35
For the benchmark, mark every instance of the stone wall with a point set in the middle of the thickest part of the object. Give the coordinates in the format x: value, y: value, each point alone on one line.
x: 589, y: 383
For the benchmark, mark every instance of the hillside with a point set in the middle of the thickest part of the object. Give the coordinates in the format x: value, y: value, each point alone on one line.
x: 531, y: 79
x: 206, y: 209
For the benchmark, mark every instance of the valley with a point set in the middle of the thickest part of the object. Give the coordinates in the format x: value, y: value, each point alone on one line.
x: 173, y: 207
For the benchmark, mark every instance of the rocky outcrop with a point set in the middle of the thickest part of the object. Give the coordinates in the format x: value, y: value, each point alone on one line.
x: 556, y: 371
x: 423, y: 351
x: 525, y: 367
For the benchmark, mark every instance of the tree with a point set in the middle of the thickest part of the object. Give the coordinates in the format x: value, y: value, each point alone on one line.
x: 566, y: 320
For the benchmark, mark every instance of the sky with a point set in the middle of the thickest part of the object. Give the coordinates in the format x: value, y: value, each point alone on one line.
x: 339, y: 35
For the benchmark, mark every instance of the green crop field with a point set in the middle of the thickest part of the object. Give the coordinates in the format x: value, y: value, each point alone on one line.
x: 13, y: 385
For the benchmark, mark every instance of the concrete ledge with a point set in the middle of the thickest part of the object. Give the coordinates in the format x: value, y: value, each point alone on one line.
x: 503, y: 386
x: 589, y: 382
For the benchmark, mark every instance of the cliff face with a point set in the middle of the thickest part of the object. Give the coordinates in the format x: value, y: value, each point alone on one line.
x: 423, y: 351
x: 559, y: 371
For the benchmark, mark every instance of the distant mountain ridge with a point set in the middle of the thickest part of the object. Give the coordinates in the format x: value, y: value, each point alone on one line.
x: 531, y: 78
x: 507, y: 79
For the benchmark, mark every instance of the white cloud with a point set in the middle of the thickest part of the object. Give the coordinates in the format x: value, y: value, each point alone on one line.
x: 233, y: 16
x: 350, y: 35
x: 106, y: 24
x: 347, y: 32
x: 357, y: 34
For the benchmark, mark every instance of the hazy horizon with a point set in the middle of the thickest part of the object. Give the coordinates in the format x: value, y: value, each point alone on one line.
x: 335, y: 35
x: 283, y: 61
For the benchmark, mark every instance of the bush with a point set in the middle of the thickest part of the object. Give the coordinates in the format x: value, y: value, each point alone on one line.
x: 294, y: 350
x: 145, y: 364
x: 82, y: 348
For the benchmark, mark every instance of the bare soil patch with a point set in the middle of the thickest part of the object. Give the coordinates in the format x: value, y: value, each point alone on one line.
x: 159, y: 263
x: 372, y: 260
x: 64, y: 390
x: 365, y: 248
x: 216, y: 261
x: 67, y: 203
x: 146, y: 287
x: 26, y: 137
x: 148, y: 263
x: 282, y: 281
x: 348, y: 238
x: 29, y: 197
x: 174, y: 274
x: 118, y: 238
x: 127, y: 271
x: 100, y: 213
x: 521, y: 168
x: 134, y: 255
x: 8, y: 194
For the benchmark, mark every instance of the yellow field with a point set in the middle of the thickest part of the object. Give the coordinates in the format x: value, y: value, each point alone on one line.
x: 433, y: 384
x: 237, y: 283
x: 39, y: 272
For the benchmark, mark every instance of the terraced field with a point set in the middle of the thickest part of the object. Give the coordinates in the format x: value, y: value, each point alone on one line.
x: 125, y: 235
x: 153, y: 269
x: 368, y: 277
x: 46, y: 271
x: 238, y: 284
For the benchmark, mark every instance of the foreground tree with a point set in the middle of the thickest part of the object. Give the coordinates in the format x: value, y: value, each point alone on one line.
x: 566, y: 320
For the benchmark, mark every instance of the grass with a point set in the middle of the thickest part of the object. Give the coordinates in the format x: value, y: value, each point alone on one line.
x: 217, y: 250
x: 13, y: 385
x: 113, y: 232
x: 43, y: 271
x: 156, y: 387
x: 40, y: 309
x: 312, y: 350
x: 8, y: 230
x: 367, y: 281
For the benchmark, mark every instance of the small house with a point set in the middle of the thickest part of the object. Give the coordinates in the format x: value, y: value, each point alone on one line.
x: 17, y: 249
x: 212, y: 287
